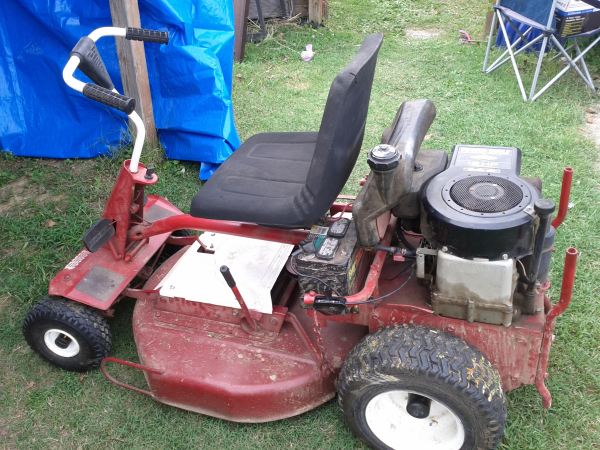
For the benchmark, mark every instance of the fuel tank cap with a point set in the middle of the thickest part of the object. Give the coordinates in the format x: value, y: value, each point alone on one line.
x: 383, y: 157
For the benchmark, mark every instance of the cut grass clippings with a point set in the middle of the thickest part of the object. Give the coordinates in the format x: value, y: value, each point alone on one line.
x: 43, y: 407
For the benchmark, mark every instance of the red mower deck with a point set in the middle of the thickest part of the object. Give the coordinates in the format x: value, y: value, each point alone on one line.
x: 242, y: 377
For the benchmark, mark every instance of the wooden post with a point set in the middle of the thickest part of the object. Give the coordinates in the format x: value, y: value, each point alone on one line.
x: 317, y: 11
x: 240, y: 13
x: 488, y: 22
x: 132, y: 62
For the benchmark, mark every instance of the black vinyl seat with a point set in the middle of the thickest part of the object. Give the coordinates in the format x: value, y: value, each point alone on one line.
x: 289, y: 180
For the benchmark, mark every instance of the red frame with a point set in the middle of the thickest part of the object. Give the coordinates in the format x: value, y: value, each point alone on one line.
x: 520, y: 352
x: 565, y: 193
x: 187, y: 222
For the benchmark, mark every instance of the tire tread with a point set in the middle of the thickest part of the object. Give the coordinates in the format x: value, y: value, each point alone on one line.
x: 434, y: 355
x: 90, y: 324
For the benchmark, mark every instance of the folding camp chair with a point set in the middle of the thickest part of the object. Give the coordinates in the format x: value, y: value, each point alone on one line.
x: 526, y: 18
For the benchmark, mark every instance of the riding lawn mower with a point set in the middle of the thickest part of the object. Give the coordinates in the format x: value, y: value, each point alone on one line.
x: 420, y: 302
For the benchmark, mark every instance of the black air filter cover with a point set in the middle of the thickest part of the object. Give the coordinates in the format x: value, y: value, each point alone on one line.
x: 479, y: 207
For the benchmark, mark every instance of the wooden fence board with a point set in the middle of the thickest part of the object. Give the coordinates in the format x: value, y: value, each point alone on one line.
x: 132, y: 62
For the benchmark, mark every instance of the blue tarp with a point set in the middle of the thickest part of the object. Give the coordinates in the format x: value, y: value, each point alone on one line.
x: 190, y: 80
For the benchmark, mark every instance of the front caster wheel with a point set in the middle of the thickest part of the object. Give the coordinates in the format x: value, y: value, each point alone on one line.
x: 67, y: 334
x: 416, y: 388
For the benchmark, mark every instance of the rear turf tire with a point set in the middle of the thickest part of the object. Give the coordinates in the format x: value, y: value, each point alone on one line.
x: 468, y: 407
x: 67, y: 334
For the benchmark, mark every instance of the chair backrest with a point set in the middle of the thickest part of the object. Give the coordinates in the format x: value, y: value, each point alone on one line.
x: 343, y: 125
x: 540, y: 11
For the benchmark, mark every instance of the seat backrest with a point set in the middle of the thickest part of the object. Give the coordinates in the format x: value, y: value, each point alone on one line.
x: 540, y: 11
x: 343, y: 126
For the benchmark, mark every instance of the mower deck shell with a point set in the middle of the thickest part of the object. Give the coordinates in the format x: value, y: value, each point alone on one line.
x: 97, y: 279
x: 205, y: 362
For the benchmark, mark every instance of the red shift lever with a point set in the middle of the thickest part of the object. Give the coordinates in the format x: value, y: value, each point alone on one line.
x: 238, y: 296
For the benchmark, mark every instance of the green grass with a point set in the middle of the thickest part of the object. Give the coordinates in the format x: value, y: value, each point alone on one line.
x: 43, y: 407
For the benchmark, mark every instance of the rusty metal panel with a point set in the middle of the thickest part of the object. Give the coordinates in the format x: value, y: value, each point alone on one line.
x: 101, y: 283
x: 156, y: 212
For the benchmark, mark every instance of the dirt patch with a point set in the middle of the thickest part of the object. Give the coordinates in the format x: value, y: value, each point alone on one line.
x: 8, y: 441
x: 422, y: 34
x: 20, y: 192
x: 4, y: 300
x: 591, y: 128
x: 298, y: 86
x: 7, y: 252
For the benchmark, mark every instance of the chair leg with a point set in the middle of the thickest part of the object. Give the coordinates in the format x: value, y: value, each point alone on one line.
x: 503, y: 58
x: 558, y: 55
x: 573, y: 62
x: 538, y: 67
x: 489, y: 43
x: 565, y: 69
x: 498, y: 63
x: 584, y: 66
x: 513, y: 60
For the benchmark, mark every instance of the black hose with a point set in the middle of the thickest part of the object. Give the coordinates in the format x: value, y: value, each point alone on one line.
x: 402, y: 238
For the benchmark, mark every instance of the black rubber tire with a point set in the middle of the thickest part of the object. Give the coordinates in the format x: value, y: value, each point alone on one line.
x: 429, y: 362
x: 87, y: 326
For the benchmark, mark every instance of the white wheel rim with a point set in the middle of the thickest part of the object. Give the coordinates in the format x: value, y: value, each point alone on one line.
x: 389, y: 421
x: 51, y: 339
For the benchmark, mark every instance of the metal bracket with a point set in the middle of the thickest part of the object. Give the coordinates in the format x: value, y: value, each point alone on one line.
x: 133, y: 365
x: 530, y: 211
x: 421, y: 253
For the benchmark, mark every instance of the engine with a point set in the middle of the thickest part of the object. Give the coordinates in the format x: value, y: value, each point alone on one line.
x: 486, y: 236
